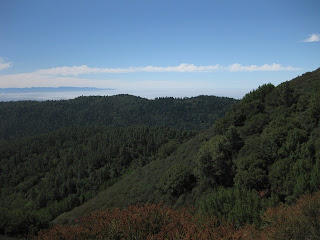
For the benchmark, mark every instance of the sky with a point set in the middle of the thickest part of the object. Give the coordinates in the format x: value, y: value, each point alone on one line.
x: 156, y: 48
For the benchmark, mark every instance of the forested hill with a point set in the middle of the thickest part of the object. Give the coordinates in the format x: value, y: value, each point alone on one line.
x: 266, y: 150
x: 25, y: 118
x: 46, y: 175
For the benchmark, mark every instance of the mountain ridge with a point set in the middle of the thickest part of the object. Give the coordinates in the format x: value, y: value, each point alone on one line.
x: 25, y: 118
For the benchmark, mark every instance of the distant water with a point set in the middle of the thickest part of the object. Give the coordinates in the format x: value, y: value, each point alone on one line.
x: 145, y: 93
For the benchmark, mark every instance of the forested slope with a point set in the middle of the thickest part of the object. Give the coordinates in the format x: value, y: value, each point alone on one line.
x: 99, y: 141
x: 24, y: 118
x: 44, y: 176
x: 168, y: 179
x: 264, y: 151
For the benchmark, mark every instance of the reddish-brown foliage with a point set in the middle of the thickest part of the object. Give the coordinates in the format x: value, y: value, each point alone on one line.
x: 151, y: 221
x: 299, y: 221
x: 155, y: 222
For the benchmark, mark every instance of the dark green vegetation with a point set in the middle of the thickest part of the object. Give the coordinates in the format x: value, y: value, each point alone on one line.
x: 25, y: 118
x: 264, y: 151
x: 44, y: 176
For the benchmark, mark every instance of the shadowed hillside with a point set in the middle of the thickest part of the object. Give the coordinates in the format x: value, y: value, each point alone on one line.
x: 25, y: 118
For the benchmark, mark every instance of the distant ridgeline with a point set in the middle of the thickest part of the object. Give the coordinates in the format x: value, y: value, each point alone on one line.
x: 23, y: 118
x: 264, y: 151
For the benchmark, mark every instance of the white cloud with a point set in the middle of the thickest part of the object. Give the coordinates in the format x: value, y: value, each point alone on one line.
x: 4, y: 65
x: 313, y: 38
x: 24, y: 80
x: 84, y: 69
x: 36, y: 80
x: 184, y: 67
x: 254, y: 68
x: 67, y: 76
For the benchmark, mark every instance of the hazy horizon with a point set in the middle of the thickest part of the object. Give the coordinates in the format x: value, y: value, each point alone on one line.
x: 144, y: 93
x: 157, y: 48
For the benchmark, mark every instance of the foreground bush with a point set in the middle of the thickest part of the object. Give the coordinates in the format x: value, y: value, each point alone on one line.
x: 151, y: 221
x: 155, y: 221
x: 299, y: 221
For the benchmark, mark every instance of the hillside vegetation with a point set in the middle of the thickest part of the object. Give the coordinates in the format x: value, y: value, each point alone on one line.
x: 44, y: 176
x: 155, y: 221
x: 263, y: 152
x: 25, y: 118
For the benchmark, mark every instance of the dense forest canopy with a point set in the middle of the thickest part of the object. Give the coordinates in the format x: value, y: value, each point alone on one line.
x: 268, y: 144
x: 263, y: 152
x: 24, y: 118
x: 44, y: 176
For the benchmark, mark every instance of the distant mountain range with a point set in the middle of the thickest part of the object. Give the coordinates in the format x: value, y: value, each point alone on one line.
x: 50, y: 89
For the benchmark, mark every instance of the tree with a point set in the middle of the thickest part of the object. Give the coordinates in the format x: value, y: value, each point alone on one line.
x: 177, y: 180
x: 315, y: 107
x: 251, y: 173
x: 214, y: 161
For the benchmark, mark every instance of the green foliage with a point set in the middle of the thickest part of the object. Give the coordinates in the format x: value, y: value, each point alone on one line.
x: 54, y: 172
x: 255, y: 124
x: 287, y: 95
x: 260, y: 93
x: 315, y: 107
x: 251, y: 173
x: 278, y: 178
x: 213, y: 161
x: 215, y: 158
x: 278, y: 138
x: 168, y: 148
x: 239, y: 205
x: 177, y: 180
x: 25, y: 118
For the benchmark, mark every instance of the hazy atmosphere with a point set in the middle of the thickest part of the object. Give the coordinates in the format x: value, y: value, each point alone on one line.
x: 154, y: 48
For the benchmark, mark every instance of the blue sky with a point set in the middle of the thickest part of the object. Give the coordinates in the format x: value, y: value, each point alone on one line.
x: 167, y: 47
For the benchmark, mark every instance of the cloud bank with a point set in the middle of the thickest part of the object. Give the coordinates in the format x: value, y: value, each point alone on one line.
x: 313, y: 38
x: 4, y: 65
x: 38, y: 80
x: 68, y: 76
x: 184, y: 67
